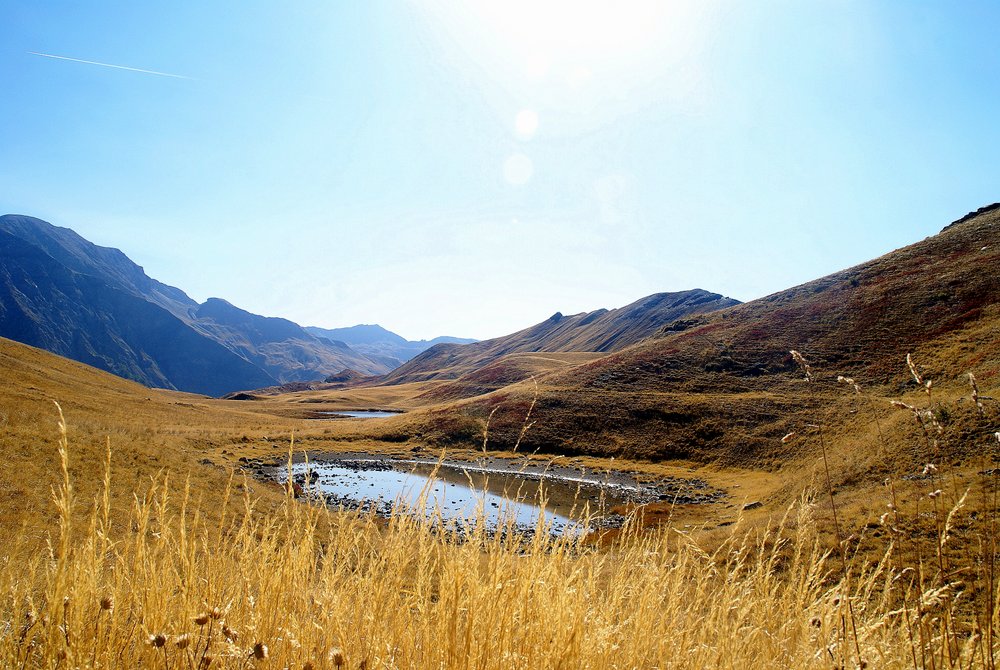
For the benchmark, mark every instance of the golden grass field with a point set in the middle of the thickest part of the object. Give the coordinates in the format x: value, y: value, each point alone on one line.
x: 132, y: 538
x: 161, y: 560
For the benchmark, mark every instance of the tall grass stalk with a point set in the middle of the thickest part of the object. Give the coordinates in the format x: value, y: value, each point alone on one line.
x: 312, y: 588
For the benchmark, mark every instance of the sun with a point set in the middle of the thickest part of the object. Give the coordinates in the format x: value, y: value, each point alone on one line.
x: 570, y: 43
x: 565, y: 27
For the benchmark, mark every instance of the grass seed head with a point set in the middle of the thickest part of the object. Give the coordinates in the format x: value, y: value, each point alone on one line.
x: 975, y: 394
x: 913, y: 369
x: 798, y: 358
x: 850, y: 382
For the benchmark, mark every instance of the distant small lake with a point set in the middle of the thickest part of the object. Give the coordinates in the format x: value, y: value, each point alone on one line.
x: 457, y: 491
x: 360, y: 414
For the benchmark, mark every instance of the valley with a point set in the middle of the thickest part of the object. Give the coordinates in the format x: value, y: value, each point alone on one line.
x: 708, y: 427
x: 519, y: 335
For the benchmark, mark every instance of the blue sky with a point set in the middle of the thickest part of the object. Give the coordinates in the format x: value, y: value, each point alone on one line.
x: 471, y: 168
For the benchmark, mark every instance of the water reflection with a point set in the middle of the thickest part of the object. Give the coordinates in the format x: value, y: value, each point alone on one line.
x: 458, y: 493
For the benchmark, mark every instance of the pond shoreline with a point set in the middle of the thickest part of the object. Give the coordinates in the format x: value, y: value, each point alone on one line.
x: 667, y: 489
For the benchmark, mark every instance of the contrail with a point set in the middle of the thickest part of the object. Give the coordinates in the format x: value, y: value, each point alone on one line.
x: 117, y: 67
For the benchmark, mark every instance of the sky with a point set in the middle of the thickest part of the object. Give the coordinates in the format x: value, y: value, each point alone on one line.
x: 470, y: 168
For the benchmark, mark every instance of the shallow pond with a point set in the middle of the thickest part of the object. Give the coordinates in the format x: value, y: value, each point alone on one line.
x: 459, y: 491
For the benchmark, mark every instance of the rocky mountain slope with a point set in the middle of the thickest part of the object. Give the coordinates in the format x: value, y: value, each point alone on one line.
x: 62, y: 293
x: 602, y: 330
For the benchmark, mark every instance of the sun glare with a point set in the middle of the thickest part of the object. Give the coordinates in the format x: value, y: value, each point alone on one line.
x: 518, y: 169
x: 546, y: 37
x: 576, y: 64
x: 526, y: 123
x: 567, y: 28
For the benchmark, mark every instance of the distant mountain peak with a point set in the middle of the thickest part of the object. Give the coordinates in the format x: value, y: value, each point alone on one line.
x: 62, y: 293
x: 603, y: 330
x: 380, y: 343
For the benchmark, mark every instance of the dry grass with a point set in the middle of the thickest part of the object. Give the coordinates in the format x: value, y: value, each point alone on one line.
x: 150, y: 558
x: 303, y: 587
x: 723, y: 387
x: 152, y: 431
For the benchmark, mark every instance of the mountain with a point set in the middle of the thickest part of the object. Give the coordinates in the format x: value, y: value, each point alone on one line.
x: 602, y: 330
x: 722, y: 386
x: 380, y: 344
x: 110, y: 265
x: 62, y: 293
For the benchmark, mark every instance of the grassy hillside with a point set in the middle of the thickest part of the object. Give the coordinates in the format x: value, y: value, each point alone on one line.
x: 723, y: 386
x: 149, y: 430
x: 870, y: 540
x: 601, y: 331
x: 171, y: 566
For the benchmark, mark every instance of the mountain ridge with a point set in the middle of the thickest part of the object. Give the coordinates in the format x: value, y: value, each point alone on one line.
x: 723, y: 386
x: 62, y: 293
x: 860, y: 322
x: 602, y: 330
